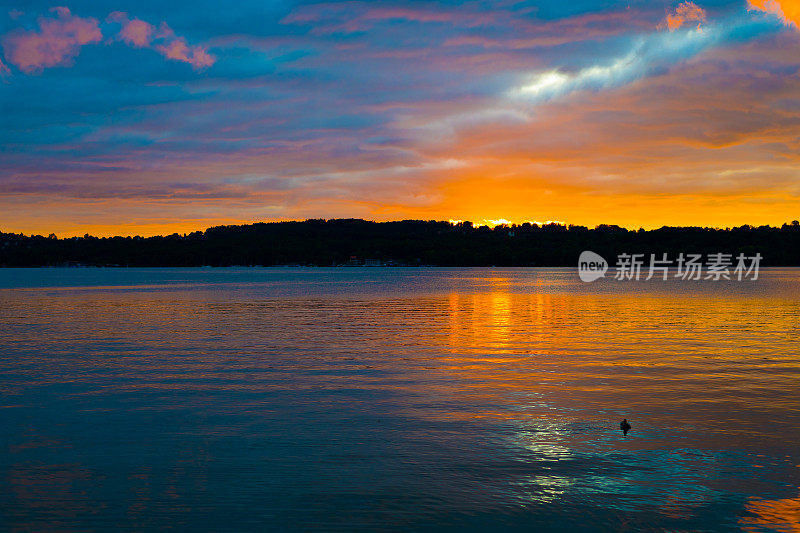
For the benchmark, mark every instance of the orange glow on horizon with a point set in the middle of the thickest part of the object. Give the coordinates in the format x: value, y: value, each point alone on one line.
x: 511, y: 203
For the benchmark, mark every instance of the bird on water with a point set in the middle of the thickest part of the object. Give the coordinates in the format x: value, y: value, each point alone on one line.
x: 624, y: 426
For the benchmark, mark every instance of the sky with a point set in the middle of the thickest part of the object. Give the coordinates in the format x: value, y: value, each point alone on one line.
x: 139, y: 117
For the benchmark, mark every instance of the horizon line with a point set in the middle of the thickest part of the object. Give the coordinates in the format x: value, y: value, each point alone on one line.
x: 492, y: 224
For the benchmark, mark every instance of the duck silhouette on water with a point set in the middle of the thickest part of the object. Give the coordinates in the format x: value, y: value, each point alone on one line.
x: 624, y: 426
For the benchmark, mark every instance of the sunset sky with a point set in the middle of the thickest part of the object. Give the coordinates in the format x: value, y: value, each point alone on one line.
x: 138, y: 117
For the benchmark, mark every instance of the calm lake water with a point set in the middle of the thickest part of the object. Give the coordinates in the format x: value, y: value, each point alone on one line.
x: 396, y: 399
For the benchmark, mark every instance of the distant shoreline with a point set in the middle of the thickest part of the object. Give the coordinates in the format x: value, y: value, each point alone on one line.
x: 410, y: 243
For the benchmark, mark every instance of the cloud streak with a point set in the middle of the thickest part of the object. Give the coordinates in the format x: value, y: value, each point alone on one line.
x: 648, y: 55
x: 176, y: 48
x: 59, y: 38
x: 140, y: 34
x: 56, y: 43
x: 134, y: 32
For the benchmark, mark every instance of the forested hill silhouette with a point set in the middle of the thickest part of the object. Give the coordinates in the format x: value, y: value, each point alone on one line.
x: 409, y: 242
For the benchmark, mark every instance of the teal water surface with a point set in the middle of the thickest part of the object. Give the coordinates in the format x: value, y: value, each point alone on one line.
x: 396, y: 399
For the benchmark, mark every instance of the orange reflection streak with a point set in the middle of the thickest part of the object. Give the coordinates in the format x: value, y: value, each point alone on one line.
x: 501, y: 350
x: 783, y: 515
x: 519, y: 349
x: 505, y: 336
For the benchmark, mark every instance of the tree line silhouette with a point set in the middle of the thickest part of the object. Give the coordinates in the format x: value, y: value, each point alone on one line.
x: 321, y: 242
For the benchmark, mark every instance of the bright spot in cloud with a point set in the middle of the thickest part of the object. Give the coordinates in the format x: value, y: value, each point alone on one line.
x: 548, y: 82
x: 659, y: 50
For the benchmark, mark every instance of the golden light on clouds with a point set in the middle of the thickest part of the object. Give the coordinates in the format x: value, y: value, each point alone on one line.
x: 788, y: 10
x: 633, y: 117
x: 685, y: 13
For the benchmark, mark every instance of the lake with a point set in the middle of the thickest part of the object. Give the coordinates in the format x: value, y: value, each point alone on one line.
x: 394, y: 399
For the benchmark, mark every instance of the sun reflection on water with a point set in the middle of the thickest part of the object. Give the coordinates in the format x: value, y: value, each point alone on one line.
x: 783, y: 514
x: 476, y: 394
